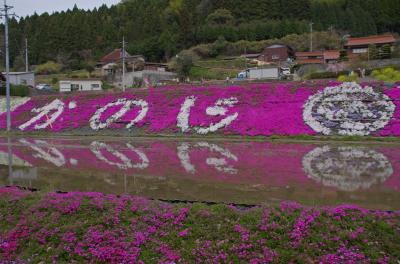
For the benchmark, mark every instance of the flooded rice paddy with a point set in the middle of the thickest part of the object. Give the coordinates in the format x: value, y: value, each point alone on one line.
x: 239, y: 172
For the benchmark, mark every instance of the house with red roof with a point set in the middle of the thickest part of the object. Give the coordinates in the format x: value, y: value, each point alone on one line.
x: 358, y: 46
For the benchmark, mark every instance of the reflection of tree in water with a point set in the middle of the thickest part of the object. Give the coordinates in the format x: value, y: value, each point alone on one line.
x: 347, y: 168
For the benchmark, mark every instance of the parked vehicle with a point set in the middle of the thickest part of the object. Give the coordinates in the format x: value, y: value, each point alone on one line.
x: 43, y: 86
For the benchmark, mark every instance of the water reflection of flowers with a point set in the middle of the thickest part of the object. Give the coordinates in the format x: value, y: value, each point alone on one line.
x: 347, y: 168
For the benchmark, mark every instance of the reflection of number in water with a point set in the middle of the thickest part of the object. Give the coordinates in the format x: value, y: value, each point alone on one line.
x: 125, y: 162
x: 347, y: 168
x: 220, y: 164
x: 46, y: 151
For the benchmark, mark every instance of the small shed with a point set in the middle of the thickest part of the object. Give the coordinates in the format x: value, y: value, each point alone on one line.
x: 72, y: 85
x: 22, y: 78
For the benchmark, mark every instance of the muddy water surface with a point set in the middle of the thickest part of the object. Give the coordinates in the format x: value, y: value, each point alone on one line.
x: 208, y: 171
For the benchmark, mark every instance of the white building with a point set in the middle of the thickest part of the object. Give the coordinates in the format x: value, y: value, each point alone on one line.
x: 72, y: 85
x: 22, y: 78
x: 263, y: 73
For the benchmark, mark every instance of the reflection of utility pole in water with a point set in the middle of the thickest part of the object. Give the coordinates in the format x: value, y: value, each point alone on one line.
x: 10, y: 161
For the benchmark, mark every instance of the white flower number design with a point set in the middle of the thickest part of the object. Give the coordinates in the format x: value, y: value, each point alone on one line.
x: 96, y: 124
x: 56, y: 105
x: 347, y: 168
x: 125, y: 163
x: 220, y: 164
x: 46, y: 151
x: 348, y: 109
x: 219, y: 109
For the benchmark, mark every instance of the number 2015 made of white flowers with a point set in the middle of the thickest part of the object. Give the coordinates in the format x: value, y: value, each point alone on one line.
x: 220, y: 108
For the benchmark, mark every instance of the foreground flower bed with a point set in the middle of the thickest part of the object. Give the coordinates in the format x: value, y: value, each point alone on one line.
x: 93, y: 227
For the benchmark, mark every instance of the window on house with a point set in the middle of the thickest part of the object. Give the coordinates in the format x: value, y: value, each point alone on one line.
x: 358, y: 51
x: 95, y: 85
x: 275, y: 57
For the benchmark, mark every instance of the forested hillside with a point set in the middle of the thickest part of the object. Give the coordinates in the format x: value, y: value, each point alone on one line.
x: 160, y: 28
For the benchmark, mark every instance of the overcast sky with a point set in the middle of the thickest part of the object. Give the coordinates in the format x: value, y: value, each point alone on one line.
x: 28, y: 7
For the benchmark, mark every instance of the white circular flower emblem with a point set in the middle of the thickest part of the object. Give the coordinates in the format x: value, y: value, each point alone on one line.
x: 348, y: 109
x: 347, y: 168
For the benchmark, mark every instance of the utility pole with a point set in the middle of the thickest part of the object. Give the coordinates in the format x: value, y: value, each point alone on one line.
x: 5, y: 14
x: 123, y: 63
x: 311, y: 36
x: 26, y: 56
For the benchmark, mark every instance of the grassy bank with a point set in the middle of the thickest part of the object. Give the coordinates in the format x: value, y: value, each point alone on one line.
x: 109, y: 134
x: 97, y: 228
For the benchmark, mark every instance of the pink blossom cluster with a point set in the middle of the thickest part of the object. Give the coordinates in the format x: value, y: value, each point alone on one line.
x: 252, y: 110
x: 100, y: 228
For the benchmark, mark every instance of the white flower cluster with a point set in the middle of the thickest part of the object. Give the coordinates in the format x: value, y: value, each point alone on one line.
x: 219, y: 109
x: 348, y: 109
x: 96, y: 124
x: 46, y: 152
x: 220, y: 164
x: 57, y: 106
x: 347, y: 168
x: 125, y: 163
x: 15, y: 102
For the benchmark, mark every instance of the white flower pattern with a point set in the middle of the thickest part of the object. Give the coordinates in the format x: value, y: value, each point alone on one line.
x: 348, y: 109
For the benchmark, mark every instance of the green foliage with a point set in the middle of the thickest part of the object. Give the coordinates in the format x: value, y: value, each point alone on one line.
x: 19, y: 64
x: 343, y: 55
x: 54, y: 80
x: 183, y: 63
x: 201, y: 73
x: 220, y: 17
x: 159, y: 29
x: 387, y: 75
x: 107, y: 86
x: 218, y: 46
x: 16, y: 90
x: 353, y: 77
x: 326, y: 75
x: 49, y: 67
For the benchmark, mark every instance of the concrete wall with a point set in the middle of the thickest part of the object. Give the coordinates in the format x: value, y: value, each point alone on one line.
x: 83, y: 85
x: 22, y: 78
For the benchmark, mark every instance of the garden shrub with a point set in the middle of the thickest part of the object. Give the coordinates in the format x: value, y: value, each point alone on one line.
x: 325, y: 75
x: 348, y: 78
x: 49, y: 67
x: 16, y: 90
x: 387, y: 75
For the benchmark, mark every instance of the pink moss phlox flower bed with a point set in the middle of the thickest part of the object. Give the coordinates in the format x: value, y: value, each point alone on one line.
x: 252, y: 110
x: 98, y: 228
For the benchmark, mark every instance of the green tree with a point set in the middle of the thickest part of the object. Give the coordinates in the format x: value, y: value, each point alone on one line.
x: 220, y: 17
x: 19, y: 63
x: 183, y: 63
